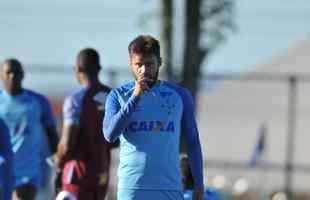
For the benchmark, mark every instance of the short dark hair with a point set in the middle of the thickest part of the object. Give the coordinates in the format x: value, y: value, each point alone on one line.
x: 88, y: 60
x: 144, y: 44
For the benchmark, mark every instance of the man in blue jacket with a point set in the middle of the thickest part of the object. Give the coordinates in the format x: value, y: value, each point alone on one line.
x: 148, y: 116
x: 32, y: 126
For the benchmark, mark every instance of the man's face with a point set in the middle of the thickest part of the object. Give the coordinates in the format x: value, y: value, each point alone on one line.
x: 11, y: 76
x: 145, y: 65
x: 78, y: 74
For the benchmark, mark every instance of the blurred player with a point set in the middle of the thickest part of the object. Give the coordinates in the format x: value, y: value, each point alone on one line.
x: 6, y: 161
x: 149, y: 115
x: 83, y: 153
x: 30, y: 121
x: 188, y: 183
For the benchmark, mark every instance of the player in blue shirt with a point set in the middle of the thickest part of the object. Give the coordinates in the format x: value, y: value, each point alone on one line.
x: 6, y: 157
x: 30, y: 121
x: 148, y: 116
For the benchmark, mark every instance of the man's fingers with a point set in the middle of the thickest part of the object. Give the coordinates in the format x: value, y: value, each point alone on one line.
x: 144, y: 85
x: 143, y: 82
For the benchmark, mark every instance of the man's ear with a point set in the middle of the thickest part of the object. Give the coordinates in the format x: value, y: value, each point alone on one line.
x: 129, y: 60
x: 1, y: 75
x: 77, y: 69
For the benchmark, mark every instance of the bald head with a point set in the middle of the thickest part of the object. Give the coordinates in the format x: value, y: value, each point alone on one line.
x: 13, y: 64
x: 12, y: 74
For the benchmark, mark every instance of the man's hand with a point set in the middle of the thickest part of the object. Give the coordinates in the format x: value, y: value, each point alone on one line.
x: 198, y: 194
x: 142, y: 82
x: 57, y: 160
x: 54, y: 162
x: 59, y: 156
x: 141, y: 85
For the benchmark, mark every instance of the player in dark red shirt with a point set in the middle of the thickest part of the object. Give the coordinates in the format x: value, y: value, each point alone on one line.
x: 83, y: 153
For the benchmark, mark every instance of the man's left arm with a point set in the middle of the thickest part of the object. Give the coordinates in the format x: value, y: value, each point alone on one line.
x: 53, y: 139
x: 70, y: 129
x: 67, y: 143
x: 190, y: 131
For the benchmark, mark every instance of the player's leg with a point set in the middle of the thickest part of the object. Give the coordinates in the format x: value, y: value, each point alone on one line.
x: 127, y: 194
x: 25, y: 192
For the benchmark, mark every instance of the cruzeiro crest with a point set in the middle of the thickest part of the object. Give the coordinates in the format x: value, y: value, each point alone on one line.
x: 167, y: 104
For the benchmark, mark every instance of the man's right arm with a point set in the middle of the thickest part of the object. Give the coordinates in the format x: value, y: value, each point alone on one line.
x: 5, y: 143
x: 71, y: 117
x: 67, y: 143
x: 116, y: 116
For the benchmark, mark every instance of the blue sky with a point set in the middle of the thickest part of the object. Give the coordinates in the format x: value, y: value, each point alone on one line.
x: 52, y: 32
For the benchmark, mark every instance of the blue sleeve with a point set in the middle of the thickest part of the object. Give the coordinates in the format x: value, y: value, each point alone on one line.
x: 48, y: 118
x: 116, y: 116
x: 71, y: 111
x: 6, y: 167
x: 5, y: 142
x: 189, y: 129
